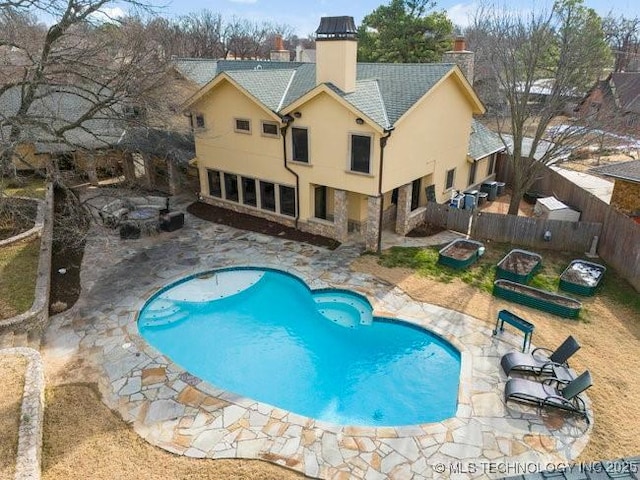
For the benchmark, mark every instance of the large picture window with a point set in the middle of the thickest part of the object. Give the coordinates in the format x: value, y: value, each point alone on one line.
x: 360, y: 153
x: 300, y: 144
x: 249, y: 194
x: 320, y: 202
x: 268, y: 196
x: 215, y: 187
x: 288, y: 201
x: 231, y: 187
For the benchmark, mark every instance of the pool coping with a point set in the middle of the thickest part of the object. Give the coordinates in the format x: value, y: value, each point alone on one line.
x: 247, y: 402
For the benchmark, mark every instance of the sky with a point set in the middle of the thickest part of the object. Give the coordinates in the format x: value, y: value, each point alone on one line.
x: 304, y: 15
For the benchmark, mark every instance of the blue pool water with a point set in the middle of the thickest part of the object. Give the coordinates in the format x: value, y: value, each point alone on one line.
x: 264, y: 335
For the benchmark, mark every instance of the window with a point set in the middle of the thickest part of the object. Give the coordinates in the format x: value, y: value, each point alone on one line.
x: 243, y: 126
x: 199, y: 120
x: 300, y: 144
x: 394, y: 196
x: 215, y: 187
x: 415, y: 193
x: 231, y: 187
x: 268, y: 196
x: 491, y: 164
x: 270, y: 129
x: 320, y: 202
x: 450, y: 177
x: 472, y: 173
x: 360, y: 153
x: 288, y: 201
x: 249, y: 194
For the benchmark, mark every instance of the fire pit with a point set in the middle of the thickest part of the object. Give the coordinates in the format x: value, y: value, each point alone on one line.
x: 460, y: 253
x: 536, y: 298
x: 582, y: 277
x: 519, y: 266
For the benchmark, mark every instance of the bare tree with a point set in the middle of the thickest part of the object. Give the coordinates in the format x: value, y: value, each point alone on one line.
x: 623, y: 35
x: 564, y: 44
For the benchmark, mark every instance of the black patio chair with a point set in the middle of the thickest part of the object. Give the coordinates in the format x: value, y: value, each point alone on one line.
x: 547, y: 394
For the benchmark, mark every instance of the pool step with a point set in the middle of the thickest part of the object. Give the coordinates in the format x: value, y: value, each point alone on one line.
x: 176, y: 316
x: 347, y: 311
x: 161, y: 309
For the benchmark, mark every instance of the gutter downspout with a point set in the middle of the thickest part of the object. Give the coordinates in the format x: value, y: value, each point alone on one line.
x: 288, y: 119
x: 383, y: 143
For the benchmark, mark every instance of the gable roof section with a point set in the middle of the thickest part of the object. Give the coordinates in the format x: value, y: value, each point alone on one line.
x: 625, y: 87
x: 482, y: 141
x: 629, y: 171
x: 384, y: 91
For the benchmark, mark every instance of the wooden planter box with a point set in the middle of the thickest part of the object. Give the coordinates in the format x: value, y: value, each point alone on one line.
x: 519, y: 266
x: 460, y: 253
x: 582, y: 277
x: 535, y: 298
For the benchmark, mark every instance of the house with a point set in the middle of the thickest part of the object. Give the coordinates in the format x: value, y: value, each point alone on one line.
x: 615, y: 101
x: 338, y: 146
x: 626, y: 187
x: 109, y: 142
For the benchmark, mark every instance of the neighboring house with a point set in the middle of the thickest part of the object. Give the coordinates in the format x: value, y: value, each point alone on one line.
x: 109, y: 141
x: 626, y: 187
x: 615, y: 102
x: 336, y: 146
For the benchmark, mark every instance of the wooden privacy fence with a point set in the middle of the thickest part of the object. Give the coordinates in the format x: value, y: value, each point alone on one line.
x: 524, y: 231
x: 620, y: 246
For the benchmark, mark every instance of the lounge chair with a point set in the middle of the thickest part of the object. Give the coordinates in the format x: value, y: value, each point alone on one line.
x: 542, y: 360
x: 546, y: 394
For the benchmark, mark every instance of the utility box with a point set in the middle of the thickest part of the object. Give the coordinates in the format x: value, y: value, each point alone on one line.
x: 551, y: 208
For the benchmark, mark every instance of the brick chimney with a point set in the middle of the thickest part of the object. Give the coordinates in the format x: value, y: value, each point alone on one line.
x: 336, y: 52
x: 461, y: 57
x: 279, y: 54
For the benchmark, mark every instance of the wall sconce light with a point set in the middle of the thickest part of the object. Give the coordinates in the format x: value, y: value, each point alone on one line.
x: 359, y: 121
x: 297, y: 114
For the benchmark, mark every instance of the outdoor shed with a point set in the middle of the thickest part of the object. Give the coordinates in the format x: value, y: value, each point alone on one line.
x: 551, y: 208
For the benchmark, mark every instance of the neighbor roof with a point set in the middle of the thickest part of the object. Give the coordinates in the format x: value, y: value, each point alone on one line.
x: 625, y: 87
x: 482, y: 141
x: 54, y: 109
x: 629, y: 171
x: 384, y: 91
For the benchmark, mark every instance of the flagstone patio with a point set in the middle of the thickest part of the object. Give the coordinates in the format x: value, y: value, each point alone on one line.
x: 97, y: 340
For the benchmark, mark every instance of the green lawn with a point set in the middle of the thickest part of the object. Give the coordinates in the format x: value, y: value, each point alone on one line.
x: 482, y: 273
x: 18, y: 271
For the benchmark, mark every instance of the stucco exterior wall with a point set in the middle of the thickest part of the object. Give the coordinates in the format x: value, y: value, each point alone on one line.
x: 220, y: 147
x: 431, y: 139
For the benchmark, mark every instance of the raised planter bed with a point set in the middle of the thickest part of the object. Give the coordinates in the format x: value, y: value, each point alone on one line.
x: 536, y: 298
x: 519, y: 266
x: 582, y: 277
x: 460, y: 253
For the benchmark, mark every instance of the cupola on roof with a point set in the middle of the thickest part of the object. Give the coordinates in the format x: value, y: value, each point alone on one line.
x: 336, y: 28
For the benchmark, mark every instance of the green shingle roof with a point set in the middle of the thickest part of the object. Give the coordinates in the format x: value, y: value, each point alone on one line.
x: 384, y: 91
x: 482, y: 141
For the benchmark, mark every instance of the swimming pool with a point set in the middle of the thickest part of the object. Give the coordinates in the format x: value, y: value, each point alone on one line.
x: 263, y: 334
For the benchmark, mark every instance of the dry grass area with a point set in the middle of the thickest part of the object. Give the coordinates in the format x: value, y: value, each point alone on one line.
x: 12, y: 380
x: 18, y: 271
x: 609, y: 335
x: 84, y: 439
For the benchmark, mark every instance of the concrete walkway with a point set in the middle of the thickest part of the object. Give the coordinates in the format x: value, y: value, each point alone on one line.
x: 98, y: 341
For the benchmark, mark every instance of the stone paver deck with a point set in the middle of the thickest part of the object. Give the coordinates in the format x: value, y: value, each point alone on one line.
x: 98, y: 340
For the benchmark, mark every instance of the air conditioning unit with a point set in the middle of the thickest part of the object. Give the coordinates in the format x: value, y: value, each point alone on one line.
x: 457, y: 201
